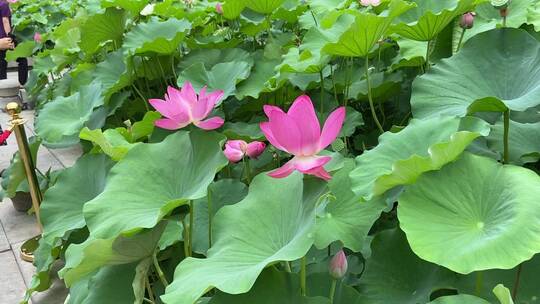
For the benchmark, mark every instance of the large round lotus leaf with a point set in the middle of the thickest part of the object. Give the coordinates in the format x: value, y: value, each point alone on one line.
x: 102, y: 28
x: 459, y: 299
x: 85, y: 258
x: 467, y: 215
x: 154, y: 179
x: 366, y: 30
x: 62, y: 207
x: 113, y: 73
x: 524, y: 141
x: 395, y: 275
x: 61, y: 120
x: 134, y: 6
x: 221, y: 193
x: 162, y: 37
x: 271, y: 287
x: 346, y: 217
x: 233, y: 8
x: 273, y: 223
x: 429, y: 18
x: 489, y: 68
x: 424, y: 145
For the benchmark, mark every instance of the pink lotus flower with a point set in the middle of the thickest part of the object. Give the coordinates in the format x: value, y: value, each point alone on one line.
x: 338, y: 265
x: 37, y: 37
x: 370, y: 2
x: 298, y: 132
x: 235, y: 150
x: 184, y: 107
x: 219, y: 8
x: 12, y: 1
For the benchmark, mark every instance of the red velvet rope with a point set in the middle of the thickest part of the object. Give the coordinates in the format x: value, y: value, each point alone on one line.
x: 4, y: 136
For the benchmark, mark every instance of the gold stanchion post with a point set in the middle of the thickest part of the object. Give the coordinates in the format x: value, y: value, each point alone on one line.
x: 17, y: 123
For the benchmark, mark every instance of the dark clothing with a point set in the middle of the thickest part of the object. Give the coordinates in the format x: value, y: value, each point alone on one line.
x: 4, y: 12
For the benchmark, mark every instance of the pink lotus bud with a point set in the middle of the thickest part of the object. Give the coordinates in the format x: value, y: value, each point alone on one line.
x: 467, y: 20
x: 12, y: 1
x: 235, y: 150
x: 37, y: 37
x: 219, y: 8
x: 255, y: 149
x: 338, y: 265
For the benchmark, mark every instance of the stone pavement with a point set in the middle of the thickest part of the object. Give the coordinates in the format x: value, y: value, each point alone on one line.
x: 16, y: 227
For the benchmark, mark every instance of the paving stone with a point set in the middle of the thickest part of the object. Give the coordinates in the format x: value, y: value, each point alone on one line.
x: 10, y: 87
x: 4, y: 243
x: 18, y: 226
x: 12, y: 287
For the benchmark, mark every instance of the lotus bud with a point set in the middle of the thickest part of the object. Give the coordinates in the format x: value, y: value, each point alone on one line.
x: 467, y: 20
x: 338, y: 265
x: 37, y: 37
x: 219, y: 8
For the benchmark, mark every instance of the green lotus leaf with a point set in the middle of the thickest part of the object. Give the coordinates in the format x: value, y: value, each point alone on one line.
x: 103, y: 28
x: 61, y: 210
x: 466, y: 216
x: 488, y: 18
x: 111, y: 142
x: 273, y: 223
x: 257, y: 82
x: 151, y: 181
x: 15, y: 174
x: 366, y: 31
x: 459, y: 299
x: 395, y: 275
x: 533, y: 16
x: 61, y: 120
x: 424, y: 145
x: 211, y: 57
x: 242, y: 130
x: 346, y: 217
x: 271, y: 287
x: 23, y: 50
x: 113, y: 73
x: 44, y: 257
x: 527, y: 292
x: 429, y: 18
x: 85, y: 258
x: 489, y: 68
x: 109, y: 285
x: 134, y: 6
x: 503, y: 294
x: 221, y: 193
x: 524, y: 141
x: 222, y: 76
x: 259, y: 6
x: 162, y: 37
x: 233, y: 8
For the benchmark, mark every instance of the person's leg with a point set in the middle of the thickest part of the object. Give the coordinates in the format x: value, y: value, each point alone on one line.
x: 23, y: 70
x: 3, y: 65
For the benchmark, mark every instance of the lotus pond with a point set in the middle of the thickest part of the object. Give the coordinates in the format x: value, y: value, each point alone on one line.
x: 287, y: 151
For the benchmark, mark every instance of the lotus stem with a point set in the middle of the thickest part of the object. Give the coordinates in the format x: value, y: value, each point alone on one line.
x: 516, y: 282
x: 158, y: 269
x: 428, y: 53
x: 150, y: 292
x: 333, y: 290
x: 303, y: 288
x: 370, y: 98
x: 209, y: 196
x: 287, y: 266
x: 506, y: 153
x: 321, y: 109
x: 479, y: 283
x: 186, y: 237
x: 334, y: 83
x: 461, y: 40
x: 247, y: 170
x: 191, y: 220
